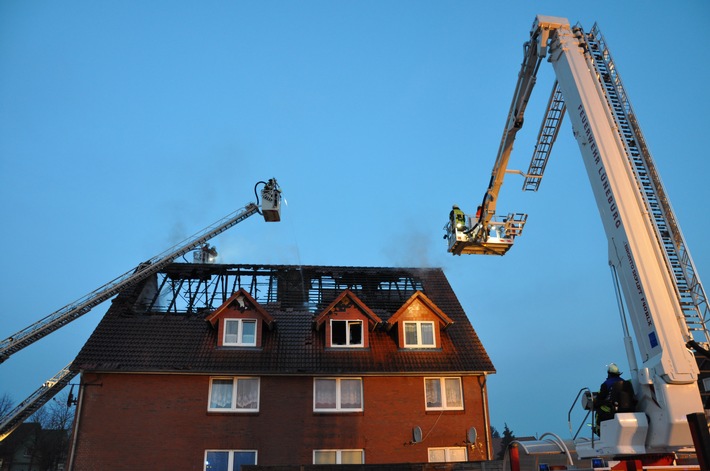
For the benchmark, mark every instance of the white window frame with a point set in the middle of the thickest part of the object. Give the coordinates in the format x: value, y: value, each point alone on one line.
x: 339, y: 455
x: 442, y: 390
x: 235, y: 388
x: 230, y: 460
x: 348, y: 323
x: 240, y: 333
x: 448, y: 452
x: 338, y: 396
x: 419, y: 343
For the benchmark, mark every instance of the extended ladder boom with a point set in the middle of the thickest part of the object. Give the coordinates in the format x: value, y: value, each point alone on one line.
x: 483, y: 234
x: 513, y: 124
x: 33, y: 403
x: 659, y: 289
x: 29, y: 335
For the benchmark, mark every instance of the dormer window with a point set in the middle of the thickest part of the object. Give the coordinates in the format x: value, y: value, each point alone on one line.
x: 239, y: 332
x: 240, y: 321
x: 347, y: 322
x: 346, y: 333
x: 419, y: 323
x: 419, y: 334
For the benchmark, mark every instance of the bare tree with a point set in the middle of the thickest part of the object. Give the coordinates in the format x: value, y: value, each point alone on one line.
x: 6, y: 404
x: 56, y: 419
x: 57, y: 414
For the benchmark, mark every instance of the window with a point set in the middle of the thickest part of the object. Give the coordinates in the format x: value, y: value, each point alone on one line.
x: 337, y: 394
x: 447, y: 454
x: 419, y: 334
x: 234, y: 394
x: 228, y: 460
x: 443, y: 393
x: 346, y: 333
x: 240, y: 332
x: 338, y: 456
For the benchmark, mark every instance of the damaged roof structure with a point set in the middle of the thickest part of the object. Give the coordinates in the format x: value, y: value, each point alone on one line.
x: 140, y: 334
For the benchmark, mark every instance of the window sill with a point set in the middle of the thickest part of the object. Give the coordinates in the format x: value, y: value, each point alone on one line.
x: 347, y: 348
x: 339, y: 412
x: 240, y: 347
x: 445, y: 411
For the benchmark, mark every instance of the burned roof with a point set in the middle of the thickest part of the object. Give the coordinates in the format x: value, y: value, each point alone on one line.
x: 160, y: 325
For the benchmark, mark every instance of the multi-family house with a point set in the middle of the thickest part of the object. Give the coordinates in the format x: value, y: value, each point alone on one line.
x: 208, y: 367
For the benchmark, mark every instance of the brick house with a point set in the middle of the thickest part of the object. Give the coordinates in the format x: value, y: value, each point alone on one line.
x: 207, y: 367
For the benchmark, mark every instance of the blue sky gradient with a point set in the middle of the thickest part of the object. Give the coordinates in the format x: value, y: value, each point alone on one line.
x: 126, y: 126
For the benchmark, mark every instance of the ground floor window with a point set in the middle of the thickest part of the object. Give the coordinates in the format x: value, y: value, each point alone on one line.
x: 228, y: 460
x: 447, y: 454
x: 338, y: 456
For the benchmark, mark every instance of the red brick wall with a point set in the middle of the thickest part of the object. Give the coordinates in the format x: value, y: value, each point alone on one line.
x: 130, y: 422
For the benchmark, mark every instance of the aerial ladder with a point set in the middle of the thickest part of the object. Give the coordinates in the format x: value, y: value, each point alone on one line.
x: 270, y: 209
x: 656, y: 280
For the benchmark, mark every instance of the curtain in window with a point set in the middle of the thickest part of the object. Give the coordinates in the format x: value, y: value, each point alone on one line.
x: 453, y: 392
x: 351, y: 457
x: 247, y: 393
x: 427, y: 333
x: 325, y: 394
x: 440, y: 455
x: 350, y: 394
x: 410, y: 333
x: 457, y: 454
x: 231, y: 331
x: 437, y: 455
x: 221, y: 397
x: 325, y: 457
x: 433, y: 393
x: 338, y: 457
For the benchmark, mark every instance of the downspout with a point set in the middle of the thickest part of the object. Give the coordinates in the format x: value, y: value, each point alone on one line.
x: 484, y: 401
x: 79, y: 406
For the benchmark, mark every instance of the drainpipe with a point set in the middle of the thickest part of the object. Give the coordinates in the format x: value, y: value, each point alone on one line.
x: 484, y: 401
x: 514, y: 457
x: 79, y: 406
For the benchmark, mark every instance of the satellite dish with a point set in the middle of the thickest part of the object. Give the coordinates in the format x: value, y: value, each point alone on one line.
x: 416, y: 434
x: 471, y: 435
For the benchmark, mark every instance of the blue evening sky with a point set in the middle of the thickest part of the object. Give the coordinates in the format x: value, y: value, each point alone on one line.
x: 126, y: 126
